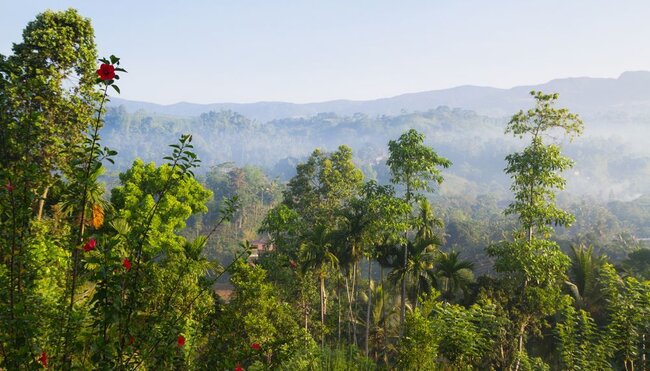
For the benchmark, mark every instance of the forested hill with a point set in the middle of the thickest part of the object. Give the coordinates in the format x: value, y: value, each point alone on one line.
x: 609, y: 164
x: 629, y: 94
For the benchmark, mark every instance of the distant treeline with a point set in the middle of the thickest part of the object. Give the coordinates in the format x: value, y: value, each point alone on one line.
x: 608, y: 166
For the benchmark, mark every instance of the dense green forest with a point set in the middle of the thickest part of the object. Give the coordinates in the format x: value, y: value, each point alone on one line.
x: 434, y: 240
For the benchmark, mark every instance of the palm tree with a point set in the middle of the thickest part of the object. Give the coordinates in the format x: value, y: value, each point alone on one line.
x: 389, y: 256
x: 383, y: 322
x: 96, y: 205
x: 351, y: 239
x: 426, y: 223
x: 454, y: 274
x: 316, y: 254
x: 419, y: 269
x: 419, y: 272
x: 584, y: 286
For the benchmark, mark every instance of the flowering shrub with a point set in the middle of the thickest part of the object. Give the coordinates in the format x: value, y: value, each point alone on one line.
x: 88, y: 281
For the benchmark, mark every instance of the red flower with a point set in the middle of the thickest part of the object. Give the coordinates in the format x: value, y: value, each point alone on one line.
x: 43, y: 359
x: 293, y: 264
x: 181, y: 340
x: 127, y: 264
x: 131, y: 340
x: 106, y: 72
x: 10, y: 187
x: 256, y: 346
x: 90, y: 245
x: 239, y: 367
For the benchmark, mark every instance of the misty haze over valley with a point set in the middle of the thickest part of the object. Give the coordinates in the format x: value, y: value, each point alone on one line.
x: 465, y: 124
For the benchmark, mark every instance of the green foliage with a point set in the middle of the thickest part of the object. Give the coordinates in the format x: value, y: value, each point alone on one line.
x: 586, y: 287
x: 49, y: 96
x: 535, y: 172
x: 255, y: 195
x: 628, y: 310
x: 538, y: 262
x: 544, y: 117
x: 535, y: 175
x: 418, y: 347
x: 582, y: 346
x: 255, y: 315
x: 340, y: 359
x: 638, y: 263
x: 439, y: 334
x: 414, y: 164
x: 533, y: 268
x: 174, y: 197
x: 456, y: 274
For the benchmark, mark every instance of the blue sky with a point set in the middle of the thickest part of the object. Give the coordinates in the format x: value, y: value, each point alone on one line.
x: 305, y: 51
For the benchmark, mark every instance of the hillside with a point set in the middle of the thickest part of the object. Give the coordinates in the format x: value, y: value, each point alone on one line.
x: 628, y: 94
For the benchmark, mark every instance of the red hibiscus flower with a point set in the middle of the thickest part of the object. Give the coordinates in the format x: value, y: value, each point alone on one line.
x: 181, y: 340
x: 256, y: 346
x: 239, y: 367
x: 127, y: 264
x: 43, y: 359
x: 90, y: 245
x: 10, y: 187
x: 106, y: 72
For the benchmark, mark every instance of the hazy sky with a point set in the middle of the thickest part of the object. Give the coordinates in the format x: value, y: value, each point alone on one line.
x: 304, y: 51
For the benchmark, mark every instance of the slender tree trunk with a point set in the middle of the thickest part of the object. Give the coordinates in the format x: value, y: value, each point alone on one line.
x: 12, y: 285
x: 520, y: 344
x: 402, y: 314
x: 322, y: 307
x: 41, y: 203
x: 369, y: 306
x: 530, y: 227
x: 417, y: 292
x: 304, y: 303
x: 338, y: 295
x: 643, y: 353
x: 347, y: 293
x: 352, y: 335
x: 322, y: 298
x: 355, y: 269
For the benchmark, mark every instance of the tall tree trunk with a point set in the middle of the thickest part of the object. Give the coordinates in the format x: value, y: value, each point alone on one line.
x: 338, y: 295
x: 520, y: 343
x: 304, y: 305
x: 369, y: 306
x: 355, y: 269
x: 417, y: 292
x: 347, y: 293
x: 402, y: 313
x: 41, y: 203
x: 322, y: 307
x: 352, y: 333
x: 529, y: 232
x: 643, y: 353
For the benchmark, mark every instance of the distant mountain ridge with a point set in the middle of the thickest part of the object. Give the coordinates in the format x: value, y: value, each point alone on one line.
x: 628, y: 94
